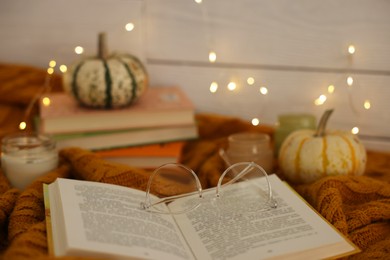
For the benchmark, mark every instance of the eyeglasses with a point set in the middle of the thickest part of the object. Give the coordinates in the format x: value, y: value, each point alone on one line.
x: 171, y: 198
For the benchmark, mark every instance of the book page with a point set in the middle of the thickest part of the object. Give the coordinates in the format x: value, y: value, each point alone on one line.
x: 107, y: 220
x: 235, y: 232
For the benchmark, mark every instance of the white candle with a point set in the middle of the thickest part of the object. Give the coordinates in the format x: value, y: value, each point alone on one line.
x: 26, y: 157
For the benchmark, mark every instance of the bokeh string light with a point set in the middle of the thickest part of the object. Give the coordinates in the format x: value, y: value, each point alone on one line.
x: 45, y: 89
x: 212, y: 56
x: 322, y: 99
x: 233, y: 85
x: 351, y: 85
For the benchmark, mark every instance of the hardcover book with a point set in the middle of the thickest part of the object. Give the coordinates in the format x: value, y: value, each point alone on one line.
x: 145, y: 156
x: 158, y: 107
x: 124, y: 138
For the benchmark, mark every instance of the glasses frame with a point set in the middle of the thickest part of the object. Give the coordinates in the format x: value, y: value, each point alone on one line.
x: 147, y: 204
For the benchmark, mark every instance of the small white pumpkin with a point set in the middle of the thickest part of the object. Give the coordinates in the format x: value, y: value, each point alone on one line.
x: 308, y: 155
x: 106, y: 81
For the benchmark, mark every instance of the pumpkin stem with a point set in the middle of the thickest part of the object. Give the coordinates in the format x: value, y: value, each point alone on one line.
x: 322, y: 124
x: 102, y: 46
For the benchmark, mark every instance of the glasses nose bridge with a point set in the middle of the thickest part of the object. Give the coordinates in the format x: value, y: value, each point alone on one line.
x: 172, y: 172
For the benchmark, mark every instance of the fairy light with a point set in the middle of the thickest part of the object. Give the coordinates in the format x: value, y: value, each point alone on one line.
x: 50, y: 71
x: 349, y: 81
x: 355, y: 130
x: 212, y: 56
x: 263, y: 90
x: 22, y: 125
x: 129, y: 27
x: 79, y: 50
x: 351, y: 49
x: 213, y: 87
x: 45, y: 88
x: 320, y: 100
x: 232, y: 86
x: 63, y: 68
x: 46, y: 101
x: 250, y: 81
x: 367, y: 104
x: 255, y: 121
x: 52, y: 63
x: 331, y: 89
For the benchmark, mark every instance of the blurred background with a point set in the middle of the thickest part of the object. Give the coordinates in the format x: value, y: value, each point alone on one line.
x: 255, y: 59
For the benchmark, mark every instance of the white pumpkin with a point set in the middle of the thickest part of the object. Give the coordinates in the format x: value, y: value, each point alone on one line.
x: 106, y: 81
x: 307, y: 155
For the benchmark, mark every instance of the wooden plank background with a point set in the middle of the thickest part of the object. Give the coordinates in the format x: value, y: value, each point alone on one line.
x: 294, y: 48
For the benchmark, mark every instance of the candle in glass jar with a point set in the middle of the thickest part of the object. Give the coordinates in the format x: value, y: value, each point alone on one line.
x: 289, y: 123
x: 25, y: 157
x: 250, y: 147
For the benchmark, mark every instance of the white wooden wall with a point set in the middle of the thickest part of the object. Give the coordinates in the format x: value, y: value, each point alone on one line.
x: 295, y: 48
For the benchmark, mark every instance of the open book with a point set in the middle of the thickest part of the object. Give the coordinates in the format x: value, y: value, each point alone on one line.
x: 104, y: 220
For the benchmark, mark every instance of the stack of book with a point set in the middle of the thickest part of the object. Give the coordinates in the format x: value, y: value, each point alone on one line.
x: 156, y: 126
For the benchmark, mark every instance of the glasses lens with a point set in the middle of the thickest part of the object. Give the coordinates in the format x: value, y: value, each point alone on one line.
x: 168, y: 183
x: 245, y: 187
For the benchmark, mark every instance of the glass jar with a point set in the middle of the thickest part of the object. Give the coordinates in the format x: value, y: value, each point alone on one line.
x: 288, y: 123
x: 24, y: 157
x: 251, y: 147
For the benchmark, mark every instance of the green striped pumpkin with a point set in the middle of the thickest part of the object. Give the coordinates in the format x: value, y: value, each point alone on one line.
x: 106, y: 81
